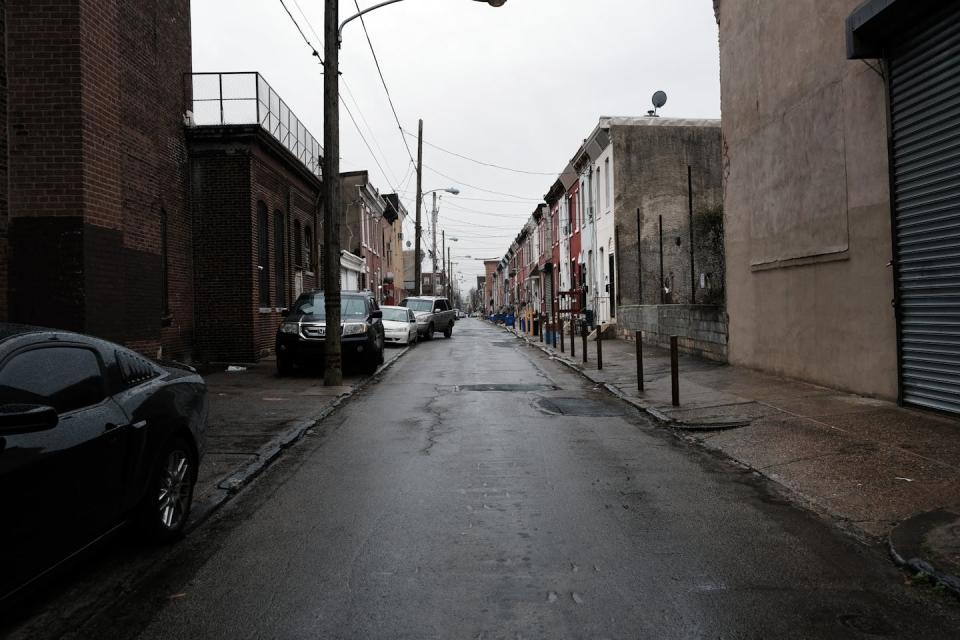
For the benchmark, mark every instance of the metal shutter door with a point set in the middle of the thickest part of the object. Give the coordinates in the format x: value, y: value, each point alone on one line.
x: 925, y: 117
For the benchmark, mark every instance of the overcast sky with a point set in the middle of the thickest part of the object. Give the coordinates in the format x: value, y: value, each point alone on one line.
x: 519, y: 86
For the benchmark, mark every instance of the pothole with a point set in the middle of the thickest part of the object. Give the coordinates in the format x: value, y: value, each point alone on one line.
x: 581, y: 407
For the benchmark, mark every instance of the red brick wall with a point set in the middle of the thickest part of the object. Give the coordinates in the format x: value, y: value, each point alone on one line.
x: 224, y: 227
x: 95, y: 101
x: 281, y: 190
x: 234, y: 169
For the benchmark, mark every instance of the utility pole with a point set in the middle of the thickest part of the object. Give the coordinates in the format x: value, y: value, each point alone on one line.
x: 333, y: 372
x: 417, y: 256
x: 443, y: 252
x: 449, y: 276
x: 433, y: 222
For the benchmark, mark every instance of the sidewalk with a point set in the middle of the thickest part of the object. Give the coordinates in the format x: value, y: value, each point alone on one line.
x: 874, y: 467
x: 254, y: 416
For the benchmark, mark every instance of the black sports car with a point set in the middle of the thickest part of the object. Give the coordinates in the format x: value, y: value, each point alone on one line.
x: 92, y: 436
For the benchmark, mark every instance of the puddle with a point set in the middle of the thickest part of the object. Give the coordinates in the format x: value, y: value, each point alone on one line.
x: 581, y: 407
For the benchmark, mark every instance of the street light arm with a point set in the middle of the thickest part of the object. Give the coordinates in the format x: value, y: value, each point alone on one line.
x: 492, y: 3
x: 357, y: 15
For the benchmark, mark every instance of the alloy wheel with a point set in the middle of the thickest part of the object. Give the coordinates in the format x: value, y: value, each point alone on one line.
x: 175, y: 488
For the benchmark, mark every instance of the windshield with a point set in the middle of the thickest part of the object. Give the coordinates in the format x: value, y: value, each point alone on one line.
x: 313, y: 305
x: 397, y: 315
x: 418, y: 305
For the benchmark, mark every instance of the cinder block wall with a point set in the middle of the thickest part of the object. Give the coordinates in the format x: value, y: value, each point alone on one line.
x: 701, y: 329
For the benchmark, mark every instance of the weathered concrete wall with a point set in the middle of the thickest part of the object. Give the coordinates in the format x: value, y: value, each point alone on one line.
x: 650, y: 173
x: 806, y: 203
x: 702, y: 329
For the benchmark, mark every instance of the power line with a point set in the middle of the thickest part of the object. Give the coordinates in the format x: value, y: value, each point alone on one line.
x: 481, y: 162
x: 302, y: 34
x: 372, y: 155
x: 393, y: 108
x: 465, y: 184
x: 363, y: 118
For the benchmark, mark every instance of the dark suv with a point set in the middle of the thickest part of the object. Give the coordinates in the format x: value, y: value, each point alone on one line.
x: 301, y: 337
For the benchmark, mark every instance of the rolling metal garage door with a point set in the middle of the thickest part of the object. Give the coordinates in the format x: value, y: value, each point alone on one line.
x: 925, y: 109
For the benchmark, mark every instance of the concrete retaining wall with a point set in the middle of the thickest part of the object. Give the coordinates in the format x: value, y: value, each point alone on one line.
x: 702, y: 329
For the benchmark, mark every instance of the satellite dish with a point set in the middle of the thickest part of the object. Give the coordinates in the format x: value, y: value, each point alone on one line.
x: 659, y: 99
x: 408, y: 244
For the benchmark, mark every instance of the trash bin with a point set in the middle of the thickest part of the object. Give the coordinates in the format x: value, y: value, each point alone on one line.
x: 509, y: 320
x: 588, y: 316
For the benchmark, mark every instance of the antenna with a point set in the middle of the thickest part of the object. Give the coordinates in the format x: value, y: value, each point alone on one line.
x: 659, y: 99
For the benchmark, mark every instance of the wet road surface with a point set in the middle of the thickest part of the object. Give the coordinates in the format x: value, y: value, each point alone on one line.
x: 481, y: 490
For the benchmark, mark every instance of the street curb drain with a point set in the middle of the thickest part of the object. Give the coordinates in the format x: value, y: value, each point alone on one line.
x: 232, y: 483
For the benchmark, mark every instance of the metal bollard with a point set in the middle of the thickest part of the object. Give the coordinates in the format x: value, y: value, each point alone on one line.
x: 583, y: 332
x: 599, y: 346
x: 573, y: 337
x: 639, y: 338
x: 560, y: 331
x: 540, y: 328
x: 674, y: 372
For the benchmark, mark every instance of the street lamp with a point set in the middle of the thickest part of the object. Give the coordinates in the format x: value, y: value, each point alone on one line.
x: 433, y: 221
x: 332, y: 203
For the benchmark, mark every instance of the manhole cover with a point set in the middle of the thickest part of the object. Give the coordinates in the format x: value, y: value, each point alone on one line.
x: 521, y: 388
x: 578, y: 407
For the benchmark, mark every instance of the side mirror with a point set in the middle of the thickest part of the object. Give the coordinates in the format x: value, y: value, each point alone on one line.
x: 376, y: 315
x: 26, y: 418
x: 284, y: 312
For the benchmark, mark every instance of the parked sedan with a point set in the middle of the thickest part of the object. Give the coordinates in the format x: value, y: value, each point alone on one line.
x: 92, y: 436
x: 399, y: 325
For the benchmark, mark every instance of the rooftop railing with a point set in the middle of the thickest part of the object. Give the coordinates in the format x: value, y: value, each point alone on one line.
x: 246, y: 98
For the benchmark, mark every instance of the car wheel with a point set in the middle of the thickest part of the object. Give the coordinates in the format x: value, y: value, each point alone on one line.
x: 166, y: 506
x: 381, y: 358
x: 448, y: 331
x: 430, y: 331
x: 284, y: 367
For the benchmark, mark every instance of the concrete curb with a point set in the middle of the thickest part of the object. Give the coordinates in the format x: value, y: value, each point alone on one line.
x: 661, y: 418
x: 232, y: 483
x: 686, y: 434
x: 909, y: 547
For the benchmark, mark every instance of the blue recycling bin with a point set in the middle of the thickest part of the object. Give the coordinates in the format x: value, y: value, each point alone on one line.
x: 510, y: 320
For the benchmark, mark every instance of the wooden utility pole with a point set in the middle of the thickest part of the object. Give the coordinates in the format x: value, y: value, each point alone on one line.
x: 417, y: 257
x: 333, y: 370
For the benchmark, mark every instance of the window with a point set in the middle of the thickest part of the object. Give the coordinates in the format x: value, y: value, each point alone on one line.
x: 307, y: 247
x: 297, y: 244
x: 164, y: 265
x: 278, y: 257
x: 606, y: 177
x: 66, y: 378
x: 263, y: 253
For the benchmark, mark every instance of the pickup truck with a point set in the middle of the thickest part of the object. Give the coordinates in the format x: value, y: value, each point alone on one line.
x: 433, y: 314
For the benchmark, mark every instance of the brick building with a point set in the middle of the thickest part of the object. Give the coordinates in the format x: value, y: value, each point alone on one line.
x: 95, y: 231
x: 255, y: 221
x: 128, y: 209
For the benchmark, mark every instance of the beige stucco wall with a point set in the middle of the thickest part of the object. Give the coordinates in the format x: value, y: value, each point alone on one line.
x: 806, y: 201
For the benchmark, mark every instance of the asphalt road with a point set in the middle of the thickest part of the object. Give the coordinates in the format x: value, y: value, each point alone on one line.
x: 481, y: 490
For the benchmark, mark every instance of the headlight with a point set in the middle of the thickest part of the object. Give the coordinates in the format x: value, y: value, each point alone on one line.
x: 354, y: 328
x: 289, y: 327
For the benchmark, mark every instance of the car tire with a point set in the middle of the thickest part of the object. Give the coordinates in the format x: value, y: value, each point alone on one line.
x: 430, y: 331
x: 284, y: 367
x: 382, y: 358
x: 448, y: 331
x: 166, y: 506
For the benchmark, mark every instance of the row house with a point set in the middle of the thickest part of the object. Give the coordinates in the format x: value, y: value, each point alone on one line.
x: 372, y: 230
x: 632, y: 233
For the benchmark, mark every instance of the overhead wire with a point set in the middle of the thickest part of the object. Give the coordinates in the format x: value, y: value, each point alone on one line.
x: 383, y: 81
x: 313, y: 49
x: 481, y: 162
